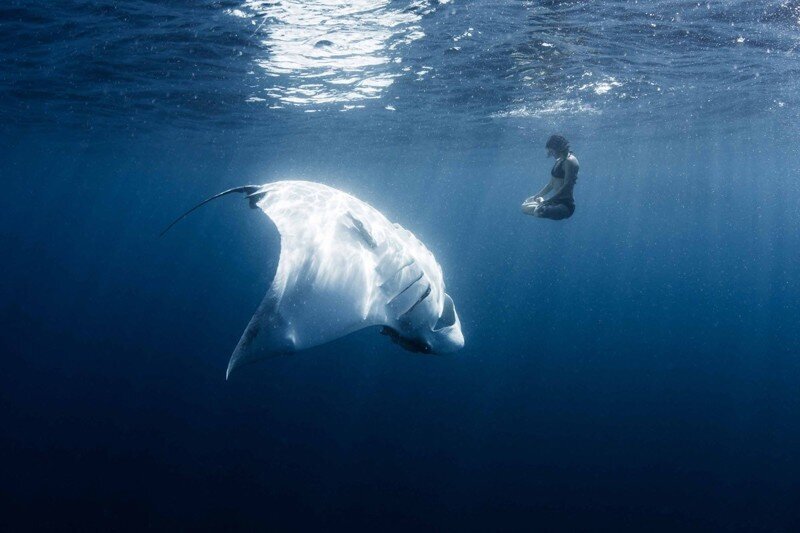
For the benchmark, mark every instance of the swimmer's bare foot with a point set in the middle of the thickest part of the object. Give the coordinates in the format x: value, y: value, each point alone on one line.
x: 529, y: 208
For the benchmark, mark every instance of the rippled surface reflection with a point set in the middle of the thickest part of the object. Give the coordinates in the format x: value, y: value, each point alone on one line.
x: 331, y: 51
x: 421, y: 65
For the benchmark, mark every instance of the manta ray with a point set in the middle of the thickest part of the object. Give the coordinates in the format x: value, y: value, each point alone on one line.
x: 343, y: 267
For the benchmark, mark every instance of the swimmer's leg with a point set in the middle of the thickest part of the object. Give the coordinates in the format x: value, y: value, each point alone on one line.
x: 555, y: 211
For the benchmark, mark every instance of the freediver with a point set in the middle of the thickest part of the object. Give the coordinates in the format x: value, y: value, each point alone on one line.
x: 563, y: 175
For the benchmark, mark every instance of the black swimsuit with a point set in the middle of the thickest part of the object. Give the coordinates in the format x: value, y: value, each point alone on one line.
x: 558, y: 169
x: 558, y: 208
x: 559, y: 172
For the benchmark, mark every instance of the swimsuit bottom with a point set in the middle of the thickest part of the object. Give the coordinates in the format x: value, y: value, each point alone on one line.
x: 569, y: 202
x: 557, y: 209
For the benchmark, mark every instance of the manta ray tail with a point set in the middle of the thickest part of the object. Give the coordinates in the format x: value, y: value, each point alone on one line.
x: 250, y: 190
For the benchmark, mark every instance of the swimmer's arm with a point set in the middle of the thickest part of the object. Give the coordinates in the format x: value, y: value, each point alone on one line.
x: 546, y: 189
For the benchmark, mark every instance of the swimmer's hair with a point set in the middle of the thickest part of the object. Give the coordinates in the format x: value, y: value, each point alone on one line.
x: 557, y: 142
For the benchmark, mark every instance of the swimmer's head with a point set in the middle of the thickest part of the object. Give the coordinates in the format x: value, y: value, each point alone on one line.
x: 557, y: 144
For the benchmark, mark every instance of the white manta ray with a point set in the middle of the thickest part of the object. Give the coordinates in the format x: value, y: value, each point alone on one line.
x: 343, y: 267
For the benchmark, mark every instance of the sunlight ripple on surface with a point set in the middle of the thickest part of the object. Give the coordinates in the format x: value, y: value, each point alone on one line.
x: 330, y: 51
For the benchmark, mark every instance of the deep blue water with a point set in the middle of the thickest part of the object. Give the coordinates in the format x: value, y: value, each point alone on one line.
x: 636, y: 367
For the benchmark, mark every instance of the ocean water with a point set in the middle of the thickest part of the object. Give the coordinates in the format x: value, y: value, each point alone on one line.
x: 635, y: 367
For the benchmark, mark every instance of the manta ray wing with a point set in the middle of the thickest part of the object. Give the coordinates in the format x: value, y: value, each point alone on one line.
x: 336, y: 257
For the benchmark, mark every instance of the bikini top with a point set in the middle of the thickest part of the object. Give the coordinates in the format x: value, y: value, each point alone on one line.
x: 558, y: 169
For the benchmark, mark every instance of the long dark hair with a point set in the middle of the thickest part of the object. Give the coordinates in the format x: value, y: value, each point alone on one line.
x: 558, y: 143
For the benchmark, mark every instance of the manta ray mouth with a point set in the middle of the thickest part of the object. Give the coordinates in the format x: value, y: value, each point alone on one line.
x: 411, y: 345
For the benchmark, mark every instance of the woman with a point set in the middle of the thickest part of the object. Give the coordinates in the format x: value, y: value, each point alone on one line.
x: 561, y: 204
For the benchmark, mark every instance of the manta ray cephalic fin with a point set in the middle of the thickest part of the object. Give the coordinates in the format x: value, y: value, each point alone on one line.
x: 251, y: 190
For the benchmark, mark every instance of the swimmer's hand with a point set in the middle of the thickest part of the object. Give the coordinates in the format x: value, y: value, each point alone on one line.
x: 533, y: 200
x: 530, y: 205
